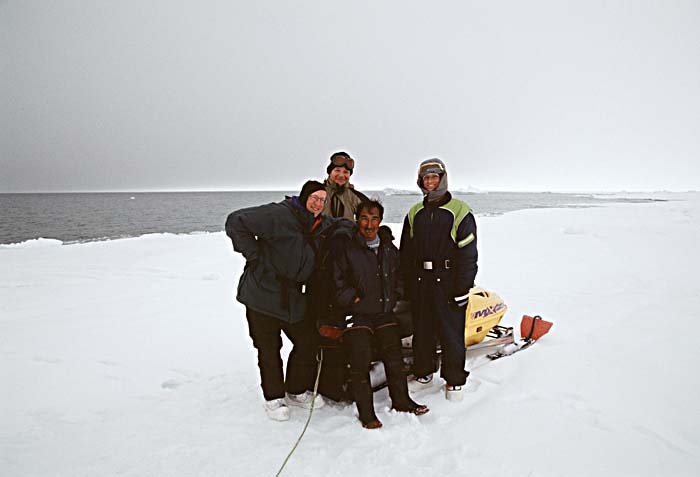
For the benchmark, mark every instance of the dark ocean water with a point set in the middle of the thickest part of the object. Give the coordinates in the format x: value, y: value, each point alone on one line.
x: 76, y: 217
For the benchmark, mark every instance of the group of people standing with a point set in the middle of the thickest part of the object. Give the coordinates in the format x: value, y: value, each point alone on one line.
x: 321, y: 268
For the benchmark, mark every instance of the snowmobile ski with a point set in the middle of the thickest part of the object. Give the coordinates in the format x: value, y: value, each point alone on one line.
x: 510, y: 349
x: 532, y: 328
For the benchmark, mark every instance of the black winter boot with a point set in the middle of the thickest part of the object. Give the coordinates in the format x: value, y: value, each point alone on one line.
x: 364, y: 401
x: 360, y: 342
x: 334, y: 375
x: 390, y: 349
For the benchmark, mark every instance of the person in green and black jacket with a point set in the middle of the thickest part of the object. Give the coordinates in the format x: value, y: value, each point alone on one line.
x: 439, y: 265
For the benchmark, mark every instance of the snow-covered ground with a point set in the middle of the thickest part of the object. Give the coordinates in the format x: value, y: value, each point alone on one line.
x: 131, y: 357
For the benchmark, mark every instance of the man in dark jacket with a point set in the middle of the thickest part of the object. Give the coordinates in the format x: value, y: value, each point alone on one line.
x: 279, y: 242
x: 366, y: 280
x: 439, y: 260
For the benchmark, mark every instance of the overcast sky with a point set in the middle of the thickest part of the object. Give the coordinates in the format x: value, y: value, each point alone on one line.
x: 512, y: 95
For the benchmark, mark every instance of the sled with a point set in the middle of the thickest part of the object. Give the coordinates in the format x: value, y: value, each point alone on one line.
x: 482, y: 331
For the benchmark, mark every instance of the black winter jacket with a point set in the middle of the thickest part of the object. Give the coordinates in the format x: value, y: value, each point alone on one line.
x: 430, y: 239
x: 359, y: 272
x: 279, y: 246
x: 320, y: 290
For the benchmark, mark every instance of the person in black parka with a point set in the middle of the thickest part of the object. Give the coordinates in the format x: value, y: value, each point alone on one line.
x: 365, y: 267
x: 279, y: 242
x: 439, y: 265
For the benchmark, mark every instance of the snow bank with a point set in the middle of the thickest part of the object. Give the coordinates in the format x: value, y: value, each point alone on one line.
x: 33, y: 243
x: 132, y: 357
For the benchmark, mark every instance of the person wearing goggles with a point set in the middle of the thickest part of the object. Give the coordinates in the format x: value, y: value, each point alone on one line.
x: 342, y: 198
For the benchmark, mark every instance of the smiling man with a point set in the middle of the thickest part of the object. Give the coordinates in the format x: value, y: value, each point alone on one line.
x: 365, y: 267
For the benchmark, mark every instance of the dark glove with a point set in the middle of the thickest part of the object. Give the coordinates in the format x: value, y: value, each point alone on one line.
x: 402, y: 306
x: 251, y: 264
x: 459, y: 303
x: 331, y: 332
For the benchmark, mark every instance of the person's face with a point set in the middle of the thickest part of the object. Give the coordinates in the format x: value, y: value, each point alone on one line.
x: 340, y: 175
x: 431, y: 182
x: 369, y: 222
x: 315, y: 202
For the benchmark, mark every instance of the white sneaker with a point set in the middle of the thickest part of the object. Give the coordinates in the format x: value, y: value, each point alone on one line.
x: 420, y: 383
x: 277, y: 409
x: 453, y: 393
x: 305, y: 399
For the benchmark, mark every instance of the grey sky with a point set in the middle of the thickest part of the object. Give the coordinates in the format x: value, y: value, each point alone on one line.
x: 540, y: 95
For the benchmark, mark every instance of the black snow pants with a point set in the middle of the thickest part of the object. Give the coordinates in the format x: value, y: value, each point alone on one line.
x: 265, y: 332
x: 433, y: 319
x: 359, y: 341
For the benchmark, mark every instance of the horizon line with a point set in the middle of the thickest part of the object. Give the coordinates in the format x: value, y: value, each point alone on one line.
x: 468, y: 190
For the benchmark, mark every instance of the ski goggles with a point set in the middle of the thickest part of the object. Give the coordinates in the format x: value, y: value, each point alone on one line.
x: 343, y: 161
x: 431, y: 168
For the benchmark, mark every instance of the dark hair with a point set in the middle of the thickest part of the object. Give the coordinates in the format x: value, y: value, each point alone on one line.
x: 369, y: 205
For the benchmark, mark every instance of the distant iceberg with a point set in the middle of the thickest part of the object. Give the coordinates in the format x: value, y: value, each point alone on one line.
x: 389, y: 191
x: 469, y: 190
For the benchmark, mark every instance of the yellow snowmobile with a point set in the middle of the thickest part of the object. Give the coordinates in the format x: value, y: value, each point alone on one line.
x: 483, y: 315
